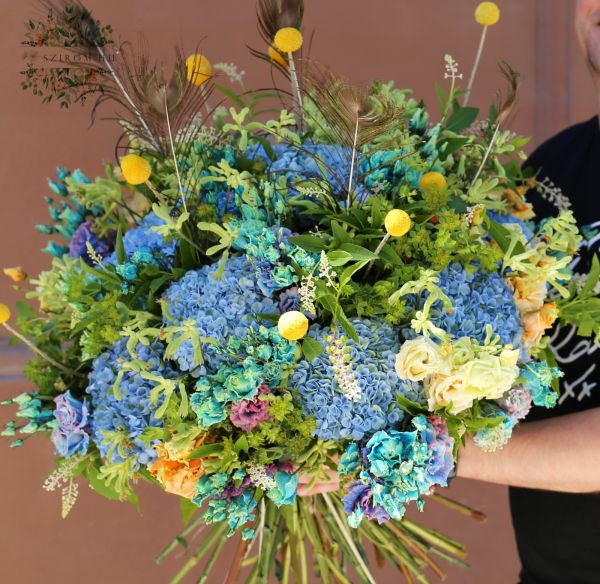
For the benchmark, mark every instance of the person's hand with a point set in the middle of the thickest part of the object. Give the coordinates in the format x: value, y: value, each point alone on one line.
x: 327, y: 485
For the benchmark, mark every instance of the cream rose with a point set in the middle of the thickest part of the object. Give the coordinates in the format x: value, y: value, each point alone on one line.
x: 443, y: 390
x: 490, y: 376
x: 462, y: 352
x: 419, y: 358
x: 529, y: 294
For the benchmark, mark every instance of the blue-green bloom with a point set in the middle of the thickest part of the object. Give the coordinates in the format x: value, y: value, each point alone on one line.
x: 537, y: 379
x: 284, y: 491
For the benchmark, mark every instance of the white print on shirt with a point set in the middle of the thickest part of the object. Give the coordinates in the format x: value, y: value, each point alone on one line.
x: 566, y: 351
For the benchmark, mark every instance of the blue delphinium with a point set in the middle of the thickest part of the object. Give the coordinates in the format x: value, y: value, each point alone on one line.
x: 130, y: 412
x: 220, y: 307
x: 372, y: 363
x: 478, y: 299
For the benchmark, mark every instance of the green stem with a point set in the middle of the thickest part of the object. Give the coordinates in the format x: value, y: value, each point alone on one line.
x: 203, y: 579
x: 41, y: 353
x: 179, y: 540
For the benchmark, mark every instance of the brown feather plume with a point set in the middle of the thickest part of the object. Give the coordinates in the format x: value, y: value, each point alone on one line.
x: 149, y: 99
x: 507, y: 103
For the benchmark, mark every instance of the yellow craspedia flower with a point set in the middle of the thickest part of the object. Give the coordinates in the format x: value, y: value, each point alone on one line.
x: 135, y: 169
x: 397, y: 222
x: 276, y: 57
x: 4, y: 313
x: 16, y: 274
x: 292, y: 325
x: 487, y: 13
x: 288, y: 40
x: 198, y: 69
x: 433, y: 180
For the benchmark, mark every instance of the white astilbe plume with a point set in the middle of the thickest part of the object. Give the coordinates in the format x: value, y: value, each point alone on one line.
x: 326, y: 271
x: 307, y: 293
x: 69, y: 498
x: 451, y: 68
x: 62, y: 477
x: 553, y: 194
x: 340, y: 358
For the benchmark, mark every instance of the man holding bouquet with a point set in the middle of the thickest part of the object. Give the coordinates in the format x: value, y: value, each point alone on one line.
x: 553, y: 463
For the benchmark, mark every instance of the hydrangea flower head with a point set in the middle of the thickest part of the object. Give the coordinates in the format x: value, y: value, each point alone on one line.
x: 129, y: 414
x: 220, y: 307
x: 478, y: 299
x: 372, y: 362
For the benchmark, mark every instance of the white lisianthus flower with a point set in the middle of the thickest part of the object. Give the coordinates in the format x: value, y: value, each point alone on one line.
x: 443, y: 390
x: 490, y: 376
x: 418, y: 358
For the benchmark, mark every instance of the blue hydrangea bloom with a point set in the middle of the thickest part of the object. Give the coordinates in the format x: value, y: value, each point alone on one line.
x: 72, y: 417
x: 221, y: 308
x: 478, y: 299
x: 144, y: 239
x: 373, y: 366
x: 133, y: 412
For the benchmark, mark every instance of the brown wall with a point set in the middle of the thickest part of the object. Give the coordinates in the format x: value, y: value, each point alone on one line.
x: 405, y: 40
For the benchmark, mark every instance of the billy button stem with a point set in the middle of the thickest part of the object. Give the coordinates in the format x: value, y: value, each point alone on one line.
x: 5, y: 317
x: 397, y: 223
x: 288, y: 40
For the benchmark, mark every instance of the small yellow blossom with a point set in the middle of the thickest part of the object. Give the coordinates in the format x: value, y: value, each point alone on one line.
x: 288, y: 40
x: 198, y: 69
x: 432, y: 180
x: 16, y: 274
x: 277, y: 57
x: 487, y: 13
x: 292, y: 325
x: 4, y: 313
x: 135, y: 169
x: 397, y: 222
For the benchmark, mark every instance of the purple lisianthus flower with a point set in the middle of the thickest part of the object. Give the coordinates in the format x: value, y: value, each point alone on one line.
x: 84, y: 233
x: 441, y: 444
x: 249, y: 413
x: 289, y: 300
x: 70, y: 437
x: 359, y: 503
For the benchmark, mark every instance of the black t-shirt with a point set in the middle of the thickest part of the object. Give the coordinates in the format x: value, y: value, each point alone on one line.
x: 558, y: 534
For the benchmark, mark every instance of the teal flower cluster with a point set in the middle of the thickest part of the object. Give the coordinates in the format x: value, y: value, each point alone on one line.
x: 537, y: 379
x: 261, y: 357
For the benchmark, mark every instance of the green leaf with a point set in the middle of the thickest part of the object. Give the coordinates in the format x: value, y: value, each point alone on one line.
x: 410, y: 407
x: 388, y: 254
x: 349, y: 329
x: 234, y: 97
x: 337, y: 257
x: 241, y: 444
x: 461, y: 119
x: 311, y: 348
x: 120, y: 247
x: 592, y: 278
x: 350, y: 271
x: 206, y: 450
x: 503, y: 237
x: 308, y: 242
x: 358, y: 252
x: 186, y: 509
x: 340, y: 235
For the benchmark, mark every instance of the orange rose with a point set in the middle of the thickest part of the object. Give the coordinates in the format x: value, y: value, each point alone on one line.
x: 529, y: 294
x: 176, y: 476
x: 536, y: 323
x: 517, y: 206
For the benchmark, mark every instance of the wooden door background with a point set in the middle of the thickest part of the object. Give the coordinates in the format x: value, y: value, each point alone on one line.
x: 404, y: 40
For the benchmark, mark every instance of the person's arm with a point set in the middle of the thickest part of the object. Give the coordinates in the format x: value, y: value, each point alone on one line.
x: 557, y: 454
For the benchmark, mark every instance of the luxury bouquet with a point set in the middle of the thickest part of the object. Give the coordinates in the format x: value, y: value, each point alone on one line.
x: 290, y: 321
